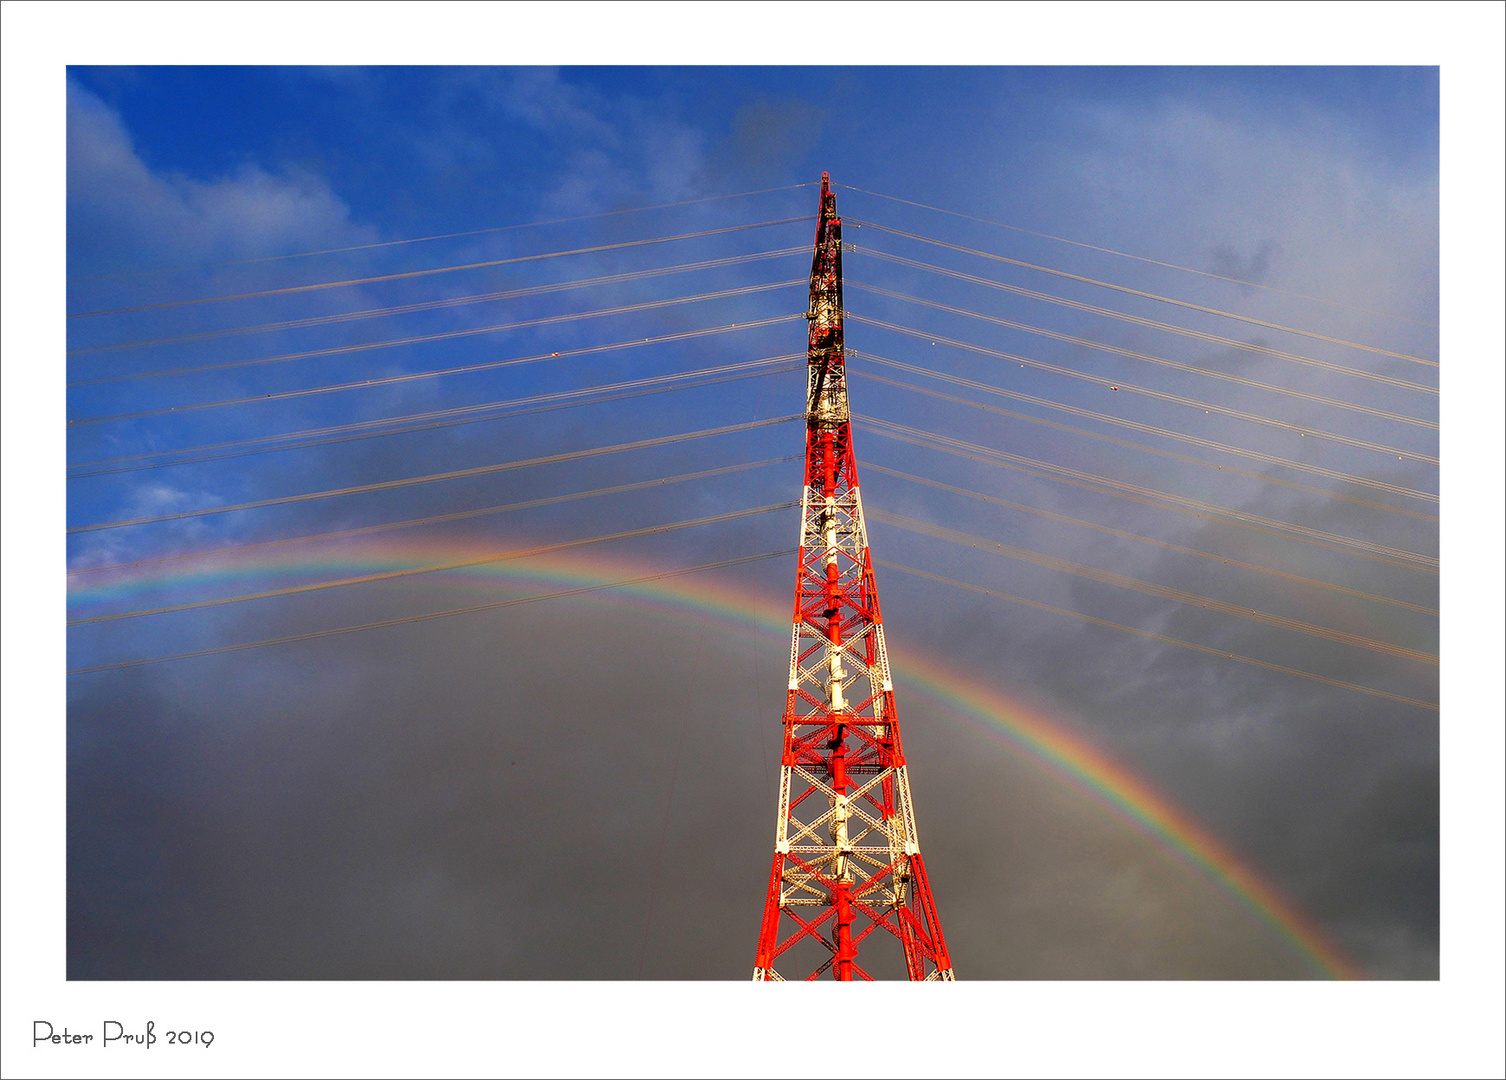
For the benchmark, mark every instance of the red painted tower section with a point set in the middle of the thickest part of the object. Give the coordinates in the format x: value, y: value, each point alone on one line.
x: 847, y: 872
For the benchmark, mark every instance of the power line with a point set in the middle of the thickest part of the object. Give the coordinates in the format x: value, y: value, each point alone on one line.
x: 435, y: 270
x: 439, y: 418
x: 445, y: 335
x: 1148, y: 357
x: 448, y: 613
x: 441, y: 236
x: 1160, y: 395
x: 456, y: 564
x: 432, y: 519
x: 1166, y: 545
x: 1150, y: 295
x: 1096, y: 309
x: 1152, y: 430
x: 1154, y: 636
x: 1144, y: 259
x: 465, y: 369
x: 433, y: 305
x: 1149, y: 496
x: 1179, y: 596
x: 454, y: 474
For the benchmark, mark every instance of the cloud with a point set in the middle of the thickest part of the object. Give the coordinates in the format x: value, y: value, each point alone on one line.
x: 543, y: 99
x: 124, y: 215
x: 769, y: 138
x: 591, y: 151
x: 1252, y: 268
x: 353, y: 810
x: 1185, y: 181
x: 465, y: 803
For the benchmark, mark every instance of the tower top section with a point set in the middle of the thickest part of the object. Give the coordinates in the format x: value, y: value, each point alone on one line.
x: 826, y: 402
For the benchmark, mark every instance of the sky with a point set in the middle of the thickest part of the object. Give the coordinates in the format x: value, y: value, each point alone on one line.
x: 1144, y: 369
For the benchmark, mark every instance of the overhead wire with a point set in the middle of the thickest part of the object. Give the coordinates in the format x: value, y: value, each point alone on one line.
x: 439, y: 418
x: 1112, y: 313
x: 1223, y: 560
x: 1125, y: 289
x: 1152, y: 430
x: 439, y: 304
x: 605, y: 450
x: 1207, y: 649
x: 407, y: 274
x: 453, y: 474
x: 438, y: 236
x: 453, y: 564
x: 1149, y: 496
x: 1191, y: 369
x: 1144, y: 391
x: 1142, y: 258
x: 426, y: 616
x: 464, y: 369
x: 430, y: 519
x: 1124, y: 581
x: 444, y: 335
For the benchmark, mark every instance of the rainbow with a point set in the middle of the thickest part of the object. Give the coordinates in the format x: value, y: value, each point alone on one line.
x: 1045, y: 742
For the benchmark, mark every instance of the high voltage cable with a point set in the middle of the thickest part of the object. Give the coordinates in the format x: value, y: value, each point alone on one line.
x: 1149, y: 358
x: 1152, y: 430
x: 438, y: 418
x: 441, y: 236
x: 454, y: 564
x: 435, y: 270
x: 432, y: 305
x: 404, y: 620
x: 1154, y: 636
x: 442, y: 416
x: 1148, y: 429
x: 445, y: 335
x: 939, y: 532
x: 454, y: 474
x: 1142, y: 258
x: 433, y: 519
x: 1160, y: 395
x: 465, y: 369
x: 1149, y: 295
x: 1224, y: 560
x: 1165, y: 500
x: 1149, y: 496
x: 1097, y: 309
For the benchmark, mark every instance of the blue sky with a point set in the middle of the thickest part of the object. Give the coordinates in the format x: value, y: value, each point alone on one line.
x: 1319, y: 182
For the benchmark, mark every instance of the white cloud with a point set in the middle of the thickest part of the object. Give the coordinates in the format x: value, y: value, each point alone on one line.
x: 540, y: 97
x: 1182, y: 182
x: 151, y: 218
x: 622, y: 147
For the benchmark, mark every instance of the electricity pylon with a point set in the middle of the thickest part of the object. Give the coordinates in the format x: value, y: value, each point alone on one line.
x: 847, y: 862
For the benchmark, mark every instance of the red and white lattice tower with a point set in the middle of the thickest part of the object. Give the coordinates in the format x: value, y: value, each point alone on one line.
x: 847, y: 863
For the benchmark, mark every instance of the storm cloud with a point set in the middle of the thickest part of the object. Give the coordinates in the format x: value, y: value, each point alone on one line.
x: 580, y: 789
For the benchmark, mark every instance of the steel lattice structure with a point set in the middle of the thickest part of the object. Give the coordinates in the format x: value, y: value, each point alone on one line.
x: 846, y: 852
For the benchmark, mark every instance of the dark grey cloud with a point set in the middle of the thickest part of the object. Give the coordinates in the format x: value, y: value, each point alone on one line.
x: 574, y: 791
x: 1253, y: 267
x: 555, y: 793
x: 768, y: 138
